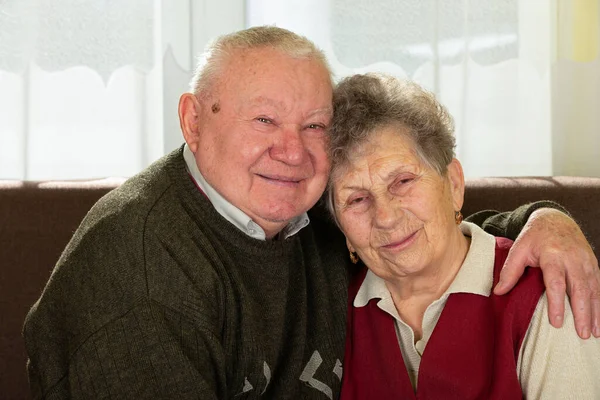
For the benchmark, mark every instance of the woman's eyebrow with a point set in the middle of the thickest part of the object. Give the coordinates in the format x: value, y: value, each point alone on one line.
x: 398, y: 170
x: 347, y: 188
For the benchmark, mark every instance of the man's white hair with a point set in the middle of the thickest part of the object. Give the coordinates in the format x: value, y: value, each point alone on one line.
x: 216, y: 54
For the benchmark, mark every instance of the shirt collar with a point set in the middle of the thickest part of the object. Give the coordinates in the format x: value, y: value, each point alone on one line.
x: 233, y: 214
x: 476, y: 275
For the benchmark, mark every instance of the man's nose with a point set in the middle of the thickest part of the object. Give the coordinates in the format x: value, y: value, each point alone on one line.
x: 289, y: 146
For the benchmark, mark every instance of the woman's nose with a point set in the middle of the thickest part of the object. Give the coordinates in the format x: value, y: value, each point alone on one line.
x: 386, y: 214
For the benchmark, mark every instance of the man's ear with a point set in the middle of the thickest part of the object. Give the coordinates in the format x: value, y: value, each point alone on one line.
x: 189, y: 114
x: 456, y: 179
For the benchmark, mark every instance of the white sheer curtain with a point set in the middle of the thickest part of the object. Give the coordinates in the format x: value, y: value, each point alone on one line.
x: 575, y: 80
x: 493, y: 63
x: 89, y: 88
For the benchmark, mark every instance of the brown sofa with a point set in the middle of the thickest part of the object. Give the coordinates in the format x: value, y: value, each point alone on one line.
x: 38, y: 218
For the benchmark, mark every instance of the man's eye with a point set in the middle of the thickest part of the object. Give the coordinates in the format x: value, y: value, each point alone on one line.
x: 264, y: 120
x: 315, y: 126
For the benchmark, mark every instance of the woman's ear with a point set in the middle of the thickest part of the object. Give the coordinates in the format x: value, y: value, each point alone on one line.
x: 457, y: 183
x: 189, y: 115
x: 350, y: 247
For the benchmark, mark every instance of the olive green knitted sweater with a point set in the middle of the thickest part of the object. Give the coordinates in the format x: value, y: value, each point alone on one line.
x: 158, y: 297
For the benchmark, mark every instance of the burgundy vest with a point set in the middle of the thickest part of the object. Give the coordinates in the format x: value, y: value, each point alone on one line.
x: 471, y: 354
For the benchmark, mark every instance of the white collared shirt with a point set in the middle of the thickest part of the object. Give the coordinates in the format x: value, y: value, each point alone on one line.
x: 553, y: 363
x: 233, y: 214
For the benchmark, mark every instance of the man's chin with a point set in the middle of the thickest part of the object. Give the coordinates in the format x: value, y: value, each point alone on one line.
x: 281, y: 215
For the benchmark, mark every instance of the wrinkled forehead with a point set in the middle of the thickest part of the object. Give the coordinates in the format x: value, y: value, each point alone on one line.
x: 382, y: 140
x: 262, y: 62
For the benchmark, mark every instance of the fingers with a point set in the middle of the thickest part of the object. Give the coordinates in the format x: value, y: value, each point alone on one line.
x: 580, y: 294
x: 564, y: 253
x: 513, y: 268
x: 583, y: 287
x: 596, y: 313
x: 595, y: 299
x: 575, y: 275
x: 556, y: 287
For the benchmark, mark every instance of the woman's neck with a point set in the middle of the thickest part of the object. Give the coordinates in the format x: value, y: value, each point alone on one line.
x: 412, y: 294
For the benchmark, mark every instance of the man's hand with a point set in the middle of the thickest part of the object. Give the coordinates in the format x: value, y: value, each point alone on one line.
x: 554, y: 242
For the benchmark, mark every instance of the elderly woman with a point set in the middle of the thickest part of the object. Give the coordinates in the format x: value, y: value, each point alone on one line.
x: 422, y: 321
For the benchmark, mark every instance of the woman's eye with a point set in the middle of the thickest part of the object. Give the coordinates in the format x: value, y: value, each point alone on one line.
x: 400, y: 185
x: 402, y: 181
x: 315, y: 126
x: 264, y: 120
x: 356, y: 200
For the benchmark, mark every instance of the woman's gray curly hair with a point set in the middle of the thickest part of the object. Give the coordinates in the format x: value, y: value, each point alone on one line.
x: 364, y: 104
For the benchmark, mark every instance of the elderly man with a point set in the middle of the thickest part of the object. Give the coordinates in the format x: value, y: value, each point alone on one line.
x: 204, y: 277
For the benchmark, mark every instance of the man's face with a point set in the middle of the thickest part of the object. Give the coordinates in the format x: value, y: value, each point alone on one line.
x: 262, y: 140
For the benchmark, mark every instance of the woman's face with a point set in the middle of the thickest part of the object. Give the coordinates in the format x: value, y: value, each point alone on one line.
x: 397, y: 213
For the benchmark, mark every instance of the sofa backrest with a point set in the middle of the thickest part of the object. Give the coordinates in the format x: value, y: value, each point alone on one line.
x: 579, y: 195
x: 37, y: 219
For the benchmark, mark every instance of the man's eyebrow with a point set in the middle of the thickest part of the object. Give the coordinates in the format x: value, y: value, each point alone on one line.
x: 280, y: 105
x: 324, y: 110
x: 262, y: 100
